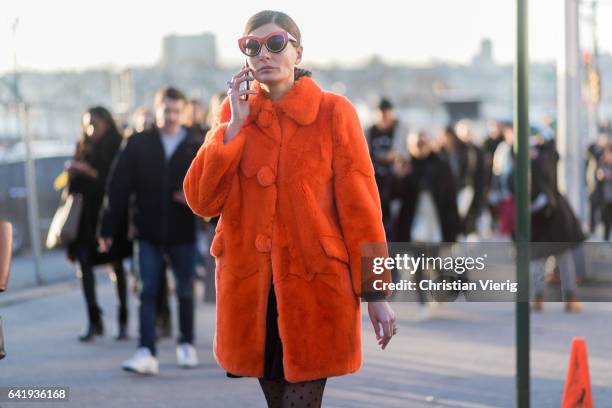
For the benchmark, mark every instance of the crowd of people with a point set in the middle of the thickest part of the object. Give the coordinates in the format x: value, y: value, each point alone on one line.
x: 130, y: 182
x: 448, y: 187
x: 433, y: 189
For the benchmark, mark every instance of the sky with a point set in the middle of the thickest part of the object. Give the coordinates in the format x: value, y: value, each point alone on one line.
x: 75, y: 35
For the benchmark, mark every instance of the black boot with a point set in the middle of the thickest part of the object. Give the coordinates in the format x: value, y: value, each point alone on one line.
x: 95, y: 328
x: 122, y: 333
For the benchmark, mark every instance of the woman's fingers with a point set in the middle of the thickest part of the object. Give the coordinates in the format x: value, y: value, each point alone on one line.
x: 246, y: 92
x: 376, y: 326
x: 389, y: 330
x: 244, y: 75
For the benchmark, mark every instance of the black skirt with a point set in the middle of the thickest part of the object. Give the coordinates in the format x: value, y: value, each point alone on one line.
x: 273, y: 357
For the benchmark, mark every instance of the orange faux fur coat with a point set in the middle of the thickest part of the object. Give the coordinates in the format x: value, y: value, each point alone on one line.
x: 297, y: 195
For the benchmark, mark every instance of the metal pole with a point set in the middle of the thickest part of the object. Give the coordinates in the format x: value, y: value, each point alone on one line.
x: 33, y: 214
x: 521, y: 150
x: 23, y: 125
x: 571, y: 124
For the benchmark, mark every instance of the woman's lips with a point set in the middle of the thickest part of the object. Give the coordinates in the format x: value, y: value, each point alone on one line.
x: 266, y: 69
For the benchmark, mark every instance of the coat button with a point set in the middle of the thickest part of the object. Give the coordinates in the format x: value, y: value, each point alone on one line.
x: 265, y: 176
x: 264, y: 119
x: 263, y: 243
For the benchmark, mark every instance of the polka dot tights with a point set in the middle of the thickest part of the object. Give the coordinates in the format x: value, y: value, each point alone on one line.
x: 282, y: 394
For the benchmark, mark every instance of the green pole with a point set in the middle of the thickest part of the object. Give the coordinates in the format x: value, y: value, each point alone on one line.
x: 522, y: 200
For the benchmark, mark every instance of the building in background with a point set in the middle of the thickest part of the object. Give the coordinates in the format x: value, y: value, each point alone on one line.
x: 192, y: 50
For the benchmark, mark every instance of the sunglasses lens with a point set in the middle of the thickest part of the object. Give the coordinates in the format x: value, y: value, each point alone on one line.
x: 251, y: 47
x: 276, y: 43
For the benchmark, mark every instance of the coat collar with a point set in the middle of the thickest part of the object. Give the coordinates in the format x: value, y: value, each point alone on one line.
x: 301, y: 103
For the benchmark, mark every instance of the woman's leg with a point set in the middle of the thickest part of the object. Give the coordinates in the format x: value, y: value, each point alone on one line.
x: 567, y: 272
x: 122, y: 312
x: 86, y: 269
x: 306, y: 394
x: 607, y: 218
x: 282, y: 394
x: 164, y: 318
x: 537, y: 269
x: 273, y: 391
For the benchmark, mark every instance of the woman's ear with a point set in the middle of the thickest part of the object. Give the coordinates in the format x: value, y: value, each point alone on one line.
x: 298, y: 54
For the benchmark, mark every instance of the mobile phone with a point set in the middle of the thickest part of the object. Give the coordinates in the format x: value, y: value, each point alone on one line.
x: 247, y: 84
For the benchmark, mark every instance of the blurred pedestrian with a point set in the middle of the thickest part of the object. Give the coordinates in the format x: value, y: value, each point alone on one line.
x: 466, y: 161
x: 213, y: 107
x: 428, y: 214
x: 151, y: 167
x: 554, y: 226
x: 289, y: 171
x: 195, y: 117
x: 604, y: 176
x: 381, y: 138
x: 144, y: 119
x: 501, y: 197
x: 96, y: 149
x: 594, y: 184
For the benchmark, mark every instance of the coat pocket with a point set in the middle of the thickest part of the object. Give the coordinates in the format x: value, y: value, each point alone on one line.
x: 334, y: 247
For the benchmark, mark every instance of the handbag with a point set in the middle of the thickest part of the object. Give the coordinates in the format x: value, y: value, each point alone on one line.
x: 2, y: 350
x: 65, y: 224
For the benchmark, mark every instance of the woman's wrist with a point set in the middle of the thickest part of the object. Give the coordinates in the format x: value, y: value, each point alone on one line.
x: 231, y: 131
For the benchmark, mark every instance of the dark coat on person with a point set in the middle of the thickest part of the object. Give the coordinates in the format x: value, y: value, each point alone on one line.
x: 141, y: 171
x: 100, y: 156
x: 554, y: 224
x: 434, y: 174
x: 471, y: 171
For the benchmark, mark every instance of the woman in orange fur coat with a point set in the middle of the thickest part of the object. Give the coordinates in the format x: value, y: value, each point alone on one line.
x: 289, y: 172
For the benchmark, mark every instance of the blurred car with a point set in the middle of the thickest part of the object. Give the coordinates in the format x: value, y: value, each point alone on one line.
x: 49, y: 159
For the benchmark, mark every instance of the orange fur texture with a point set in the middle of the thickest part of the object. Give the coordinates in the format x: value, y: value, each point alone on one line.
x: 297, y: 196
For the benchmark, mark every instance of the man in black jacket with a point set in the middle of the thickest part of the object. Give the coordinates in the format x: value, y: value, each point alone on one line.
x: 151, y: 168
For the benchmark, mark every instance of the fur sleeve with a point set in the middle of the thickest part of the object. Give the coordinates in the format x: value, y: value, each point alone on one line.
x: 356, y: 197
x: 211, y: 173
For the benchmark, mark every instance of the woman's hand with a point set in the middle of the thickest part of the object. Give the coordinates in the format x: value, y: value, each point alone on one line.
x: 383, y: 320
x: 239, y: 107
x: 80, y: 167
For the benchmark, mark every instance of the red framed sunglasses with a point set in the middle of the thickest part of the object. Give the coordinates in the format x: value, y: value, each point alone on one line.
x: 275, y: 42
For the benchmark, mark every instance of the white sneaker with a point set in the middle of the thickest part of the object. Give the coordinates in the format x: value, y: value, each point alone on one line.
x: 186, y: 356
x: 143, y: 362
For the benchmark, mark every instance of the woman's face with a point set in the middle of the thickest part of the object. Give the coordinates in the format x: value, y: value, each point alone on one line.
x: 94, y: 126
x: 271, y: 68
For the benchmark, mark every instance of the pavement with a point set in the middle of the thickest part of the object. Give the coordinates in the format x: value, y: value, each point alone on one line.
x: 462, y: 357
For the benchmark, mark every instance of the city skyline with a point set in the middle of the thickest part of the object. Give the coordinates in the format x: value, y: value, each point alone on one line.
x: 123, y: 34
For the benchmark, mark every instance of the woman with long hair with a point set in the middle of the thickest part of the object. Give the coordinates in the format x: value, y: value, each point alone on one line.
x: 289, y: 172
x: 99, y: 143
